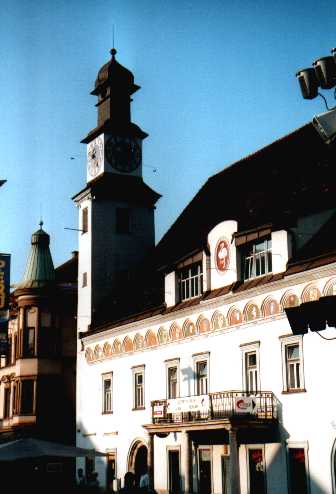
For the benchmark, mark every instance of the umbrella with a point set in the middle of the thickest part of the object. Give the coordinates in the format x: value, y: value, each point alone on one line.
x: 35, y: 448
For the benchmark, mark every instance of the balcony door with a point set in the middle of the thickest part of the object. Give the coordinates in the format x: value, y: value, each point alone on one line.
x: 204, y: 471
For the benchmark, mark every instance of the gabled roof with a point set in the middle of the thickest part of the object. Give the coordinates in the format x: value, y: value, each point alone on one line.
x: 291, y: 176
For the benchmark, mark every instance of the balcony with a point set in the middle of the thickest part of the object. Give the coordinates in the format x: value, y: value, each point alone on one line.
x: 223, y: 406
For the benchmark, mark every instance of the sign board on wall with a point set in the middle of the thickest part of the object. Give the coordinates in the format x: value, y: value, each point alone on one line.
x: 245, y: 404
x: 4, y: 301
x: 189, y: 404
x: 4, y: 286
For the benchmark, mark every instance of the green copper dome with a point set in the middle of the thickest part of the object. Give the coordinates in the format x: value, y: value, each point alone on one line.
x: 40, y: 268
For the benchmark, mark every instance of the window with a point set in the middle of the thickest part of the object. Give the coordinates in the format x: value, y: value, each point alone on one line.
x: 14, y: 398
x: 256, y: 259
x: 7, y: 396
x: 85, y: 220
x: 84, y: 280
x: 29, y: 342
x: 297, y: 469
x: 190, y: 280
x: 251, y: 371
x: 27, y: 397
x: 139, y: 387
x: 123, y: 220
x: 107, y: 393
x: 201, y: 370
x: 172, y: 373
x: 292, y: 359
x: 202, y: 377
x: 250, y: 358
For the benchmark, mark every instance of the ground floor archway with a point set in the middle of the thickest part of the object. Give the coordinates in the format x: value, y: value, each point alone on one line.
x: 137, y: 459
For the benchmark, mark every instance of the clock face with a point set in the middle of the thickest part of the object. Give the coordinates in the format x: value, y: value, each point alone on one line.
x: 123, y: 153
x: 95, y: 156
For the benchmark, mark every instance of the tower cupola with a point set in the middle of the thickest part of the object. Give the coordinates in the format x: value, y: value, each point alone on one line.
x: 40, y: 270
x: 114, y: 86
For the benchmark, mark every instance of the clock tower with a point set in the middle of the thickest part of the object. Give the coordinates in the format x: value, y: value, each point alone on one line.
x: 116, y: 208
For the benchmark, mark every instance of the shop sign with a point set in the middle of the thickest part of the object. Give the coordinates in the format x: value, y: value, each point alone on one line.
x: 245, y: 404
x: 189, y: 404
x: 158, y: 411
x: 4, y: 286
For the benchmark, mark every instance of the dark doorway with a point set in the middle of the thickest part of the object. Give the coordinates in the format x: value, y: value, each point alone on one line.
x: 110, y: 471
x: 257, y: 471
x: 297, y: 470
x: 140, y: 463
x: 204, y: 462
x: 174, y: 472
x: 225, y: 474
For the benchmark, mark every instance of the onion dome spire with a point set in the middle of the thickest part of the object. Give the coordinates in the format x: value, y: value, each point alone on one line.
x: 40, y: 270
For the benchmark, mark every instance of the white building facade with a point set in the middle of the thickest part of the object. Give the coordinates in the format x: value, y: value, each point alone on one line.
x: 211, y: 391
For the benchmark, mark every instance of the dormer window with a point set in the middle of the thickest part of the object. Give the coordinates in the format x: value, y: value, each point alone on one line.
x: 190, y: 280
x: 256, y: 258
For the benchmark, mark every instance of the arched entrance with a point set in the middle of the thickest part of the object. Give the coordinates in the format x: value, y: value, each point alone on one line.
x: 333, y: 467
x: 137, y: 459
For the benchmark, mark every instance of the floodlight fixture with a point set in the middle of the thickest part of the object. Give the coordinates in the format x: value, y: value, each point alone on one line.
x: 308, y: 83
x: 325, y: 70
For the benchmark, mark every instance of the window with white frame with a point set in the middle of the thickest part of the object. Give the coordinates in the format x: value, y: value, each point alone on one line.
x: 292, y: 363
x: 201, y: 371
x: 138, y: 387
x: 107, y: 392
x: 297, y: 460
x: 190, y: 281
x: 250, y: 361
x: 172, y: 379
x: 256, y: 258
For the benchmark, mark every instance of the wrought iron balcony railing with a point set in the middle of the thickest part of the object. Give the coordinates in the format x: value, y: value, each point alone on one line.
x: 261, y: 405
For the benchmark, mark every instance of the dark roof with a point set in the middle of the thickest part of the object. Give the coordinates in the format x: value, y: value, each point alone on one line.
x: 272, y: 185
x: 122, y: 188
x: 68, y: 271
x: 324, y: 241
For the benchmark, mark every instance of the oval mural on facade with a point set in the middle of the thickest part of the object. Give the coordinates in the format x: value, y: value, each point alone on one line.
x: 235, y: 316
x: 222, y: 255
x: 310, y: 294
x: 330, y: 287
x: 163, y: 335
x: 270, y: 307
x: 116, y: 346
x: 127, y: 345
x: 150, y: 338
x: 189, y: 328
x: 175, y: 332
x: 203, y: 324
x: 252, y: 312
x: 218, y: 320
x: 138, y: 342
x: 289, y: 299
x: 89, y: 355
x: 97, y: 352
x: 107, y: 349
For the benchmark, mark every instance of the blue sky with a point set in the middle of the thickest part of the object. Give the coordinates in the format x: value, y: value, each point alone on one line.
x: 218, y: 82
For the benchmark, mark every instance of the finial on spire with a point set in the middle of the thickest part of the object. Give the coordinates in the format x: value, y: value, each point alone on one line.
x: 41, y: 223
x: 113, y: 52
